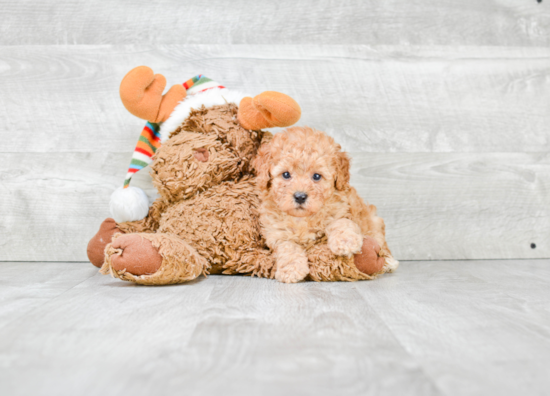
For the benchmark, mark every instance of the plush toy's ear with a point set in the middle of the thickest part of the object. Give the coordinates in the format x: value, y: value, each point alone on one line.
x: 261, y: 165
x: 342, y: 165
x: 267, y: 110
x: 141, y: 93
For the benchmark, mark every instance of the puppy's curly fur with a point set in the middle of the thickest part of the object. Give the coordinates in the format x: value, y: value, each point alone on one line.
x: 303, y: 182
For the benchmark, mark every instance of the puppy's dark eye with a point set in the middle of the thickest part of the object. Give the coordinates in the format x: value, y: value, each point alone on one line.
x: 286, y: 175
x: 316, y: 177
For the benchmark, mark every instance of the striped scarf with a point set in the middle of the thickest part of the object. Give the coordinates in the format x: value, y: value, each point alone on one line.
x: 147, y: 145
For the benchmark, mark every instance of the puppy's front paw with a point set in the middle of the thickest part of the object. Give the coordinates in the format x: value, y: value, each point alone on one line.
x: 292, y: 272
x: 345, y: 242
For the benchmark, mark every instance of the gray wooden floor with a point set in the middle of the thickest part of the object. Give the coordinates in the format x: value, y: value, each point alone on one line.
x: 432, y: 328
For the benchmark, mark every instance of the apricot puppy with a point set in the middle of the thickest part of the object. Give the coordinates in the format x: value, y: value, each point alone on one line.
x: 303, y: 182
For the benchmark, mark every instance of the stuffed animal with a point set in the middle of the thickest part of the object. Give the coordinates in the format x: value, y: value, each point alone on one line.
x: 200, y: 141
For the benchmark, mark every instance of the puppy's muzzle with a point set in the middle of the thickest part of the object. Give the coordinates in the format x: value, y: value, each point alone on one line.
x: 300, y: 197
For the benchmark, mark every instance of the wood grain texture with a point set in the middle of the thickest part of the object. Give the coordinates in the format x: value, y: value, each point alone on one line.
x: 24, y: 287
x: 104, y: 329
x: 52, y: 204
x: 431, y: 328
x: 371, y: 99
x: 453, y: 206
x: 436, y: 205
x: 477, y: 327
x: 389, y: 22
x: 444, y: 106
x: 237, y: 336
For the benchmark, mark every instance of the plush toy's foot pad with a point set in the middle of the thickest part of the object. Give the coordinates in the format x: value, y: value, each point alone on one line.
x: 368, y: 261
x: 96, y: 246
x: 135, y: 255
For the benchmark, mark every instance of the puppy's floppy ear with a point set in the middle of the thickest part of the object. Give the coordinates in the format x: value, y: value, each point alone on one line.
x: 342, y: 171
x: 261, y: 165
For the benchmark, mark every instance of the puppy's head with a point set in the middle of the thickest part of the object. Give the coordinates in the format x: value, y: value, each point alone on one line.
x: 299, y: 169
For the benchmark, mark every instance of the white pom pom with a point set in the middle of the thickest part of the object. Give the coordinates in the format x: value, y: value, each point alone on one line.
x: 129, y: 204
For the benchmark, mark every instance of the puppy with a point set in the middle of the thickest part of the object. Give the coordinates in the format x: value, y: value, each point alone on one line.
x: 303, y: 182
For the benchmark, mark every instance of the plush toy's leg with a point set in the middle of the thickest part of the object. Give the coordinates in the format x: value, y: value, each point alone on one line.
x: 326, y: 266
x: 96, y: 246
x: 254, y: 262
x: 367, y: 261
x: 153, y: 259
x: 389, y: 264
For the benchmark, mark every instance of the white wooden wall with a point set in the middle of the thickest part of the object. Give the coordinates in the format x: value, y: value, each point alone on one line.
x: 444, y: 105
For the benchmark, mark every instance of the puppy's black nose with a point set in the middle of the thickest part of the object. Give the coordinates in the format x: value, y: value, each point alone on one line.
x: 300, y: 197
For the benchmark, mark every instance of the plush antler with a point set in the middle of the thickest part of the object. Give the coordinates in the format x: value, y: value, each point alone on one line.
x: 268, y: 109
x: 141, y: 93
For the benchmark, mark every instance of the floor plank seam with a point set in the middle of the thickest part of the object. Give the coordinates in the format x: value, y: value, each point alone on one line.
x: 398, y: 341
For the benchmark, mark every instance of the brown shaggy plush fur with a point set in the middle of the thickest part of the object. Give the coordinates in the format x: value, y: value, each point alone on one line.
x: 319, y: 235
x: 206, y: 219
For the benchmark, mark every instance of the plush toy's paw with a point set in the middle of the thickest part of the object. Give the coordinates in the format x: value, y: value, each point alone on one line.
x: 96, y: 246
x: 345, y: 242
x: 294, y: 271
x: 135, y: 255
x: 367, y: 261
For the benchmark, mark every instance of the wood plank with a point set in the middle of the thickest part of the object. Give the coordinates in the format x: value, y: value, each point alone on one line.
x: 459, y: 206
x: 414, y: 22
x: 436, y: 205
x: 26, y: 286
x: 52, y: 204
x: 221, y: 335
x: 372, y: 99
x: 316, y: 339
x: 477, y: 328
x: 93, y: 332
x: 431, y: 328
